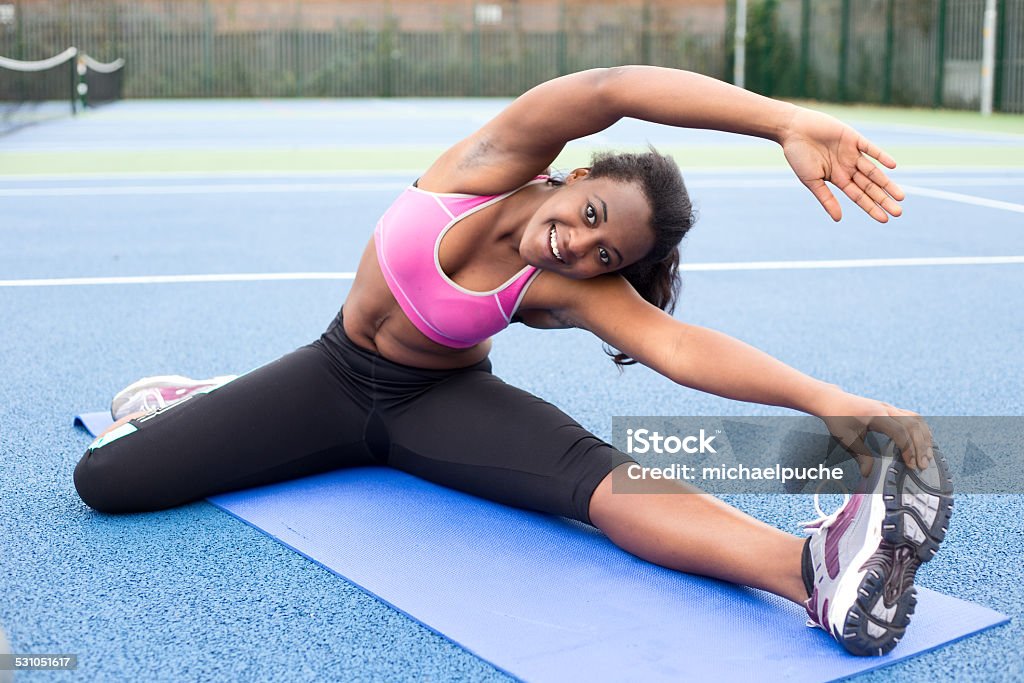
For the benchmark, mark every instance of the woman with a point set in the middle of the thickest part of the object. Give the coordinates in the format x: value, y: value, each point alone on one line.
x: 484, y: 238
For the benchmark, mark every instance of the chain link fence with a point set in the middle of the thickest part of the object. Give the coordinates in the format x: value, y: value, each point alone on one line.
x: 905, y: 52
x: 206, y: 48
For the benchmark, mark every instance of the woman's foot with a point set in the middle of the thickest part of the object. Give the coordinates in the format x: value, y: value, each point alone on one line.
x: 154, y: 393
x: 861, y: 560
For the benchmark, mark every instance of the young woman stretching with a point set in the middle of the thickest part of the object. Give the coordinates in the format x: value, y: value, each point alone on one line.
x: 485, y: 238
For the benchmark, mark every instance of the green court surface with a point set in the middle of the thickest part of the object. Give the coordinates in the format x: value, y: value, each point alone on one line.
x: 916, y: 148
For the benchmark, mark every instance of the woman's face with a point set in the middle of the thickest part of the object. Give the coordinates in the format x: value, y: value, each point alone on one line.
x: 589, y: 227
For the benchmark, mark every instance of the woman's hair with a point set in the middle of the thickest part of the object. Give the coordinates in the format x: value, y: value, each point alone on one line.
x: 656, y: 276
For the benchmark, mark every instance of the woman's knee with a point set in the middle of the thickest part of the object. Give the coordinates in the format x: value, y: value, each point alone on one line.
x: 107, y: 482
x: 93, y: 489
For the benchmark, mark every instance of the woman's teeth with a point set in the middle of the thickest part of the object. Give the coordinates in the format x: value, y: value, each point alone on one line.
x: 554, y: 245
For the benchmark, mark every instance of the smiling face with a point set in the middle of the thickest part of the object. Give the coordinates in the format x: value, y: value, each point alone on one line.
x: 589, y: 227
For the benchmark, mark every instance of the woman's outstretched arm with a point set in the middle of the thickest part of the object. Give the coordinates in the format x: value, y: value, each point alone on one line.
x: 713, y: 362
x: 531, y: 132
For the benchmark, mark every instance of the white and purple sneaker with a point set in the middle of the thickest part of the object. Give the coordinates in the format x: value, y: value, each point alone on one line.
x: 156, y: 393
x: 865, y: 554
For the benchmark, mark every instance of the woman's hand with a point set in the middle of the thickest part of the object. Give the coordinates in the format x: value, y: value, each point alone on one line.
x: 849, y: 418
x: 819, y: 148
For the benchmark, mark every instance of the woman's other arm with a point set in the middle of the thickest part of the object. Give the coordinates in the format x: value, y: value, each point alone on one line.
x: 713, y: 362
x: 530, y: 133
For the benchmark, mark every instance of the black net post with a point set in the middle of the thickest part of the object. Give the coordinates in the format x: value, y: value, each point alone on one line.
x: 73, y: 84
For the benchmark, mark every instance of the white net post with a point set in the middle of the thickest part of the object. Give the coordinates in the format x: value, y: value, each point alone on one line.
x: 988, y: 58
x: 740, y: 45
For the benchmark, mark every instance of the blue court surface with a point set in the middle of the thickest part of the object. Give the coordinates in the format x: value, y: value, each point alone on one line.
x: 245, y: 251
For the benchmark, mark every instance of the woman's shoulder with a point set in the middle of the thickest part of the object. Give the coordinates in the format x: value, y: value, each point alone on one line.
x: 555, y: 301
x: 473, y: 167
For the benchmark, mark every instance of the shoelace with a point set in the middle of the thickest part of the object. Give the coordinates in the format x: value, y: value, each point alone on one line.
x: 156, y: 396
x: 822, y: 516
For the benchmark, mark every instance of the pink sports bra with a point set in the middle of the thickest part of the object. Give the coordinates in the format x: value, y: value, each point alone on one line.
x: 407, y: 239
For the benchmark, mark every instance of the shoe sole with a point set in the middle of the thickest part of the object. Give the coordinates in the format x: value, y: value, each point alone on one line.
x: 155, y: 382
x: 886, y: 596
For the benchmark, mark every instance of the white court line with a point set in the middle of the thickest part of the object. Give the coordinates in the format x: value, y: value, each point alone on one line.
x: 993, y: 136
x: 963, y: 198
x: 298, y: 188
x: 172, y: 279
x: 279, y: 188
x: 968, y: 173
x: 972, y: 181
x: 255, y: 188
x: 211, y: 175
x: 690, y: 267
x: 695, y: 172
x: 284, y: 188
x: 857, y: 263
x: 757, y: 171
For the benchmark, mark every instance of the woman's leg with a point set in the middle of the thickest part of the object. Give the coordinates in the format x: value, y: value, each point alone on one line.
x: 290, y: 418
x: 478, y: 434
x: 679, y: 527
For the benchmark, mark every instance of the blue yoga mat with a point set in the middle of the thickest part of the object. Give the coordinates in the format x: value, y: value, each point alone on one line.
x: 94, y: 423
x: 548, y: 599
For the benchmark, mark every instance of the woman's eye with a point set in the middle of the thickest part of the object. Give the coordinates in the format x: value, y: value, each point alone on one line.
x: 603, y: 254
x: 591, y: 214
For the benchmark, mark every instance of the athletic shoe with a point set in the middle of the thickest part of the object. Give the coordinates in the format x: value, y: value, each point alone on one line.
x: 156, y: 393
x: 865, y: 554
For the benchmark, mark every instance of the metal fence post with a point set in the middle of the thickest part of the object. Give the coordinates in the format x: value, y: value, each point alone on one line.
x: 73, y: 66
x: 988, y: 58
x: 805, y: 44
x: 19, y: 42
x: 844, y: 49
x: 645, y: 34
x: 119, y: 42
x: 208, y: 29
x: 940, y: 56
x: 739, y: 66
x: 386, y: 56
x: 477, y: 74
x: 889, y: 45
x: 563, y: 43
x: 997, y: 95
x: 297, y: 49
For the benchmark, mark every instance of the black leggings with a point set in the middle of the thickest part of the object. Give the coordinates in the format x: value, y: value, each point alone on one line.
x: 332, y: 404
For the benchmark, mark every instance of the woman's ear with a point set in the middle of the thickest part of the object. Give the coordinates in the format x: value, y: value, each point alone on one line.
x: 577, y: 174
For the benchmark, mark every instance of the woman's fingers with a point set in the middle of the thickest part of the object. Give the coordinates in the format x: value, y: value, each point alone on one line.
x: 875, y: 152
x: 861, y: 198
x: 908, y: 431
x: 911, y: 434
x: 877, y: 177
x: 878, y: 195
x: 872, y: 190
x: 920, y: 435
x: 896, y: 429
x: 848, y: 167
x: 825, y: 197
x: 850, y: 432
x: 865, y: 458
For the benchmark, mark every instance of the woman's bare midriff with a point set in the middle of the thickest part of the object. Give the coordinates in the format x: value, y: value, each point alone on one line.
x: 374, y: 321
